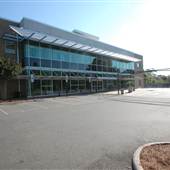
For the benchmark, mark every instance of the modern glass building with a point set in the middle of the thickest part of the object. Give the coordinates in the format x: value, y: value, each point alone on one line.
x: 58, y: 62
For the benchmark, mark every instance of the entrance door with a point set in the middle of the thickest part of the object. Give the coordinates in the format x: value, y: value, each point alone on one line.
x: 94, y: 86
x: 97, y: 86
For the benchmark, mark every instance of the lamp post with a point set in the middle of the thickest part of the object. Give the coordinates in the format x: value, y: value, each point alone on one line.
x: 66, y: 79
x: 118, y: 82
x: 90, y: 84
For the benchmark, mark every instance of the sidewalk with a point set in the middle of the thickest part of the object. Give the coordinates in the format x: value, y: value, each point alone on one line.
x: 115, y: 92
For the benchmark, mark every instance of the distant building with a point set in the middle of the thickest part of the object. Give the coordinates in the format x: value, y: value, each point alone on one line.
x: 56, y: 62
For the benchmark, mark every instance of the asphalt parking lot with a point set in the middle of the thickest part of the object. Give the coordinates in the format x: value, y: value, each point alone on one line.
x: 99, y: 131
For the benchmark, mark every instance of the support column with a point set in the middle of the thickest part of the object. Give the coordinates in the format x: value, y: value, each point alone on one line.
x: 29, y: 80
x: 17, y: 51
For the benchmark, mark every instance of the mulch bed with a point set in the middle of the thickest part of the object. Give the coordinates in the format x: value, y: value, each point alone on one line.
x: 14, y: 101
x: 156, y: 157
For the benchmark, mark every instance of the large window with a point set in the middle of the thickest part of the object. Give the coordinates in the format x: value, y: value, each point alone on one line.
x: 56, y: 86
x: 34, y: 52
x: 36, y: 88
x: 47, y: 87
x: 59, y: 59
x: 35, y: 62
x: 10, y: 47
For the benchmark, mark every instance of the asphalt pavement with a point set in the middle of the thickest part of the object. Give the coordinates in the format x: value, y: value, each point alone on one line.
x: 99, y: 131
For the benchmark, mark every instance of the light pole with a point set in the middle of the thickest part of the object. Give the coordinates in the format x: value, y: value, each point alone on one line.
x: 118, y: 81
x: 90, y: 84
x: 66, y: 79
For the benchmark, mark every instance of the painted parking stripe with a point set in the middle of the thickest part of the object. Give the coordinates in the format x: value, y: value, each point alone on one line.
x: 4, y: 112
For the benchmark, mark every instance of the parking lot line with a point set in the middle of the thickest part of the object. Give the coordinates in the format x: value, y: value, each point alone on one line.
x: 4, y: 112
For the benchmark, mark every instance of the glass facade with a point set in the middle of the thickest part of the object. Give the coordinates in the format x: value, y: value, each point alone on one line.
x: 58, y: 71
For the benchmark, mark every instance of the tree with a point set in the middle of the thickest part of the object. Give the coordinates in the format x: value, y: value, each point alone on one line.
x: 8, y: 69
x: 153, y: 80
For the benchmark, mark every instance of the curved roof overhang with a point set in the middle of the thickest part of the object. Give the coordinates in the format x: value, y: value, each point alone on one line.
x: 53, y: 40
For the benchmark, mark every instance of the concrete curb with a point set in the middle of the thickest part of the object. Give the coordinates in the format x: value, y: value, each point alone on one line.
x: 136, y: 165
x: 10, y: 102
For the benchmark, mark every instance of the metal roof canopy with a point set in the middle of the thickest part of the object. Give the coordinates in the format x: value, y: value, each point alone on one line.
x: 42, y: 37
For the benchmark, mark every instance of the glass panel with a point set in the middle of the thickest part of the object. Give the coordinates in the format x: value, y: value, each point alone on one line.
x: 56, y: 64
x: 66, y: 86
x: 33, y: 51
x: 35, y: 88
x: 85, y: 47
x: 64, y: 56
x: 74, y: 85
x: 99, y: 60
x: 88, y: 85
x: 35, y: 72
x: 74, y: 58
x: 87, y: 60
x: 46, y: 53
x: 77, y: 46
x: 87, y: 67
x: 93, y: 67
x: 10, y: 47
x: 65, y: 65
x: 82, y: 67
x: 21, y: 31
x: 46, y: 87
x: 69, y: 43
x: 82, y: 85
x: 65, y: 74
x: 56, y: 55
x: 56, y: 86
x: 38, y: 36
x: 73, y: 66
x: 99, y: 68
x: 49, y: 39
x: 46, y: 63
x: 45, y: 73
x: 82, y: 74
x: 93, y: 60
x: 75, y: 61
x: 88, y: 74
x: 60, y: 41
x: 73, y: 74
x: 92, y: 49
x: 56, y: 73
x: 34, y: 62
x: 26, y: 61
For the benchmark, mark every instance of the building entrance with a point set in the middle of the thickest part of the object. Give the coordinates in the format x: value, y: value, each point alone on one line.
x: 97, y: 85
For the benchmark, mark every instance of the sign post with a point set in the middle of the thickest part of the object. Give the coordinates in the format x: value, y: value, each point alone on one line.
x: 66, y: 78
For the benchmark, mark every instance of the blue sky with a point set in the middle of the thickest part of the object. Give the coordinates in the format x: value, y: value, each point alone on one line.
x: 96, y: 17
x: 141, y: 26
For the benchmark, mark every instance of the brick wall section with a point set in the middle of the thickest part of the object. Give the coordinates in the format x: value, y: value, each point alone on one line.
x: 4, y: 29
x: 4, y: 26
x: 12, y: 85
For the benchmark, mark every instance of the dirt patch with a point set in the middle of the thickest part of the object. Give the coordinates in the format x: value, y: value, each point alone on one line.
x: 14, y: 101
x: 156, y: 157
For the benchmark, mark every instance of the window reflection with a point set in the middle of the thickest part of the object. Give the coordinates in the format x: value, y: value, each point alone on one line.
x: 37, y: 56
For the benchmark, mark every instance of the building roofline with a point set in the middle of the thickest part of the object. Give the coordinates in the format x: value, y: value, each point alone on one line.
x: 70, y: 32
x: 10, y: 20
x: 136, y: 55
